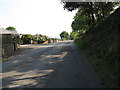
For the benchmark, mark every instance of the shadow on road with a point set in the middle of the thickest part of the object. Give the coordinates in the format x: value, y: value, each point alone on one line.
x: 52, y: 66
x: 36, y: 70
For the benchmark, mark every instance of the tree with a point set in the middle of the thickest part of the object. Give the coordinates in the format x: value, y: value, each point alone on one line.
x: 40, y: 38
x: 80, y: 22
x: 26, y: 38
x: 11, y: 28
x: 73, y: 35
x: 64, y: 35
x: 96, y: 12
x: 85, y: 7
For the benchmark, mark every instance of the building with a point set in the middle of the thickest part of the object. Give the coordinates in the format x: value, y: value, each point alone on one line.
x: 9, y: 42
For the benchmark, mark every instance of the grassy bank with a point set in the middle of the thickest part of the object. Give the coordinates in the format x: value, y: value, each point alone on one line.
x: 105, y: 69
x: 101, y: 48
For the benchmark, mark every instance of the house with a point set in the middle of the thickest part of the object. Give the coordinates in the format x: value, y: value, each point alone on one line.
x: 9, y: 42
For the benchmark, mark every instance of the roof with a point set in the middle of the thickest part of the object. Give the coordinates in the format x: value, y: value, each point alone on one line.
x: 4, y: 31
x: 13, y: 32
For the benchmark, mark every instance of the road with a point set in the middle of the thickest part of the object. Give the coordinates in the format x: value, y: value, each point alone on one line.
x: 55, y: 65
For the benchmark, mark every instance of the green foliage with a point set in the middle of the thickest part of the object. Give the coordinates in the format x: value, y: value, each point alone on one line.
x: 11, y: 28
x: 95, y: 13
x: 38, y: 38
x: 55, y: 38
x: 81, y: 44
x: 80, y: 22
x: 73, y: 35
x: 101, y: 46
x: 26, y: 38
x: 64, y: 35
x: 100, y: 42
x: 64, y: 39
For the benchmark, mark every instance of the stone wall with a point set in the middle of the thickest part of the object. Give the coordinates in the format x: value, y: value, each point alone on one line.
x: 7, y: 45
x: 7, y: 50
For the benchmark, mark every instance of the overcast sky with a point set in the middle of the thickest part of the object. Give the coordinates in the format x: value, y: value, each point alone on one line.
x: 45, y: 17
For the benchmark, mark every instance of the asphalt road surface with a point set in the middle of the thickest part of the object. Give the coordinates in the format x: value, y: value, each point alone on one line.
x: 55, y: 65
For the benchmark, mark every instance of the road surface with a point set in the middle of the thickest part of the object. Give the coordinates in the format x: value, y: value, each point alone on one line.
x: 55, y: 65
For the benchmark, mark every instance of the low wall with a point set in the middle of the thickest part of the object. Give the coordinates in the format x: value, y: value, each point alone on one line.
x: 50, y: 41
x: 7, y: 50
x: 0, y: 53
x: 7, y: 45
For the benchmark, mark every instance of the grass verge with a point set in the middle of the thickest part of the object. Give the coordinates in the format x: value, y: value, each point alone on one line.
x: 105, y: 69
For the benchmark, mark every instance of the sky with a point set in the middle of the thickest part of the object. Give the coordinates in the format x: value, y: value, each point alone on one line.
x: 46, y: 17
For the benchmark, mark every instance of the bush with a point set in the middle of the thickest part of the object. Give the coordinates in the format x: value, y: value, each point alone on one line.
x: 80, y: 43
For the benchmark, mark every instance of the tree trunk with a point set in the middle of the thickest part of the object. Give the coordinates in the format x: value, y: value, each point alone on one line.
x: 102, y: 10
x: 92, y: 14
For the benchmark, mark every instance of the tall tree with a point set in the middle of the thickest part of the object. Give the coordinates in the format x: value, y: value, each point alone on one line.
x: 26, y: 38
x: 85, y: 7
x: 80, y: 22
x: 95, y: 11
x: 11, y: 28
x: 64, y: 35
x: 73, y: 35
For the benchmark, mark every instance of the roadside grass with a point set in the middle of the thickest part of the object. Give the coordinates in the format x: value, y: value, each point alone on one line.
x: 101, y: 47
x: 102, y: 62
x: 80, y: 44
